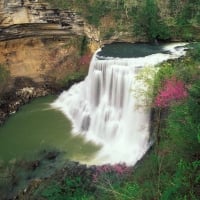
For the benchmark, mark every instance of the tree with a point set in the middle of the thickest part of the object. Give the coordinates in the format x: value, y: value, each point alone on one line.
x: 173, y: 90
x: 143, y: 87
x: 148, y: 22
x: 129, y: 5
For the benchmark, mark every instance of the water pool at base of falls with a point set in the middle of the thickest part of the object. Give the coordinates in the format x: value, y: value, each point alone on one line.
x: 37, y: 128
x: 102, y: 108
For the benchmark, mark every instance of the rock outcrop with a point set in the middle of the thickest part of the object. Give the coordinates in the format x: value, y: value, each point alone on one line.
x: 25, y: 90
x: 39, y: 42
x: 26, y: 18
x: 43, y: 45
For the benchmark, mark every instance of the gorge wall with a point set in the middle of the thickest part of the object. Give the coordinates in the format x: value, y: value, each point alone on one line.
x: 39, y: 46
x: 42, y: 43
x: 25, y: 18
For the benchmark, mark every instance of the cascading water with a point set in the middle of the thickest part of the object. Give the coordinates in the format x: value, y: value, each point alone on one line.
x: 102, y: 107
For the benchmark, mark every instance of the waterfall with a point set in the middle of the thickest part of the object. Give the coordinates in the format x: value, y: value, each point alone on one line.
x: 102, y: 107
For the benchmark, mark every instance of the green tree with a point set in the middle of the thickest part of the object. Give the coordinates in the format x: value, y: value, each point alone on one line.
x: 149, y: 23
x: 143, y: 87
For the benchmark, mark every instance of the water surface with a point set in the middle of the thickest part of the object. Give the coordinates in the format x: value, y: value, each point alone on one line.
x: 130, y: 50
x: 37, y: 127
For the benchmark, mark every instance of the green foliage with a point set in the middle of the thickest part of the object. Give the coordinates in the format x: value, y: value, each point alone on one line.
x: 108, y: 180
x: 143, y: 86
x: 148, y: 22
x: 150, y: 18
x: 84, y: 45
x: 53, y: 192
x: 194, y: 101
x: 73, y: 77
x: 183, y: 184
x: 187, y: 19
x: 75, y: 183
x: 186, y: 69
x: 129, y: 191
x: 4, y: 74
x: 71, y: 190
x: 96, y: 10
x: 195, y: 52
x: 149, y: 81
x: 4, y: 77
x: 182, y: 131
x: 108, y: 33
x: 166, y: 71
x: 172, y: 170
x: 61, y: 4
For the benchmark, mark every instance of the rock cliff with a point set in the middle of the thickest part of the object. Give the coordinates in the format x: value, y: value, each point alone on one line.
x: 26, y: 18
x: 39, y: 44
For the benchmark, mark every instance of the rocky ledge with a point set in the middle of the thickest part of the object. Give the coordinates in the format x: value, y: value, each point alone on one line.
x: 28, y: 18
x: 23, y: 91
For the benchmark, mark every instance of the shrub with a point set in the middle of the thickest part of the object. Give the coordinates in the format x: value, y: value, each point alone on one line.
x: 166, y: 71
x: 4, y: 74
x: 143, y: 87
x: 183, y: 184
x: 195, y: 52
x: 110, y: 170
x: 73, y: 77
x: 173, y: 90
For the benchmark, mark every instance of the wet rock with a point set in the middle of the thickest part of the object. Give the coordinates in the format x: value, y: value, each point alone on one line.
x: 23, y: 92
x: 34, y: 165
x: 51, y: 155
x: 34, y: 18
x: 34, y: 184
x: 21, y: 82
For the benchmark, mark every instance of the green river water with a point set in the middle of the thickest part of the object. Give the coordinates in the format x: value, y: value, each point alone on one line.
x: 38, y: 127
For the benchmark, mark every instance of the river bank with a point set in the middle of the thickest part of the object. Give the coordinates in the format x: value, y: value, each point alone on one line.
x: 24, y: 89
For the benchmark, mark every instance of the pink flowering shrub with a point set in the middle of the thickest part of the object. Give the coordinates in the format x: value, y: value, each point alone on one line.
x: 173, y: 90
x: 110, y: 171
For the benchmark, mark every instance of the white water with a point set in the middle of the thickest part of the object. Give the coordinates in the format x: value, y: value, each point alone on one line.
x: 102, y: 107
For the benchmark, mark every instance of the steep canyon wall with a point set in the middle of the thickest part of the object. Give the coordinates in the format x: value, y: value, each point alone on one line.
x: 42, y: 43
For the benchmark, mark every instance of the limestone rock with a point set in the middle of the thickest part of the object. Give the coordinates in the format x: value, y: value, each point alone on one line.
x: 25, y: 18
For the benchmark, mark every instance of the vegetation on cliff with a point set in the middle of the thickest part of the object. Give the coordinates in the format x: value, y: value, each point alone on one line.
x: 4, y: 76
x: 171, y: 170
x: 149, y: 19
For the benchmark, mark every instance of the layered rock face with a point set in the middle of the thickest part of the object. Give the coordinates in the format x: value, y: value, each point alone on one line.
x: 39, y: 44
x: 25, y: 18
x: 37, y: 41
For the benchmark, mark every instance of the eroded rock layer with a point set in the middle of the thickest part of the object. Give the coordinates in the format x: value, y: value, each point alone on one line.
x: 25, y: 18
